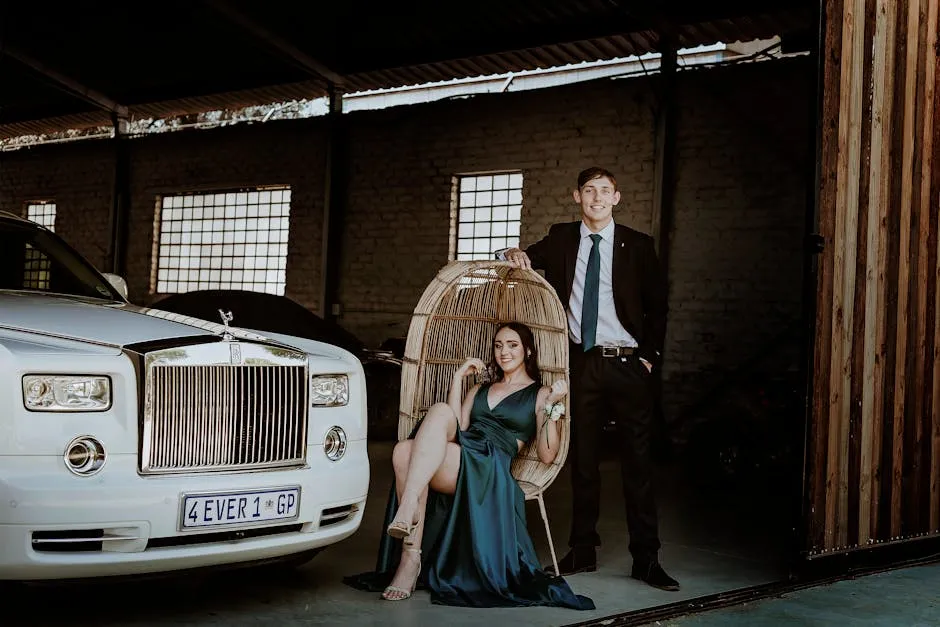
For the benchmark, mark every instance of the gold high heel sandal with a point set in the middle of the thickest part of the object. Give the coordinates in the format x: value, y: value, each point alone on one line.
x: 404, y: 594
x: 401, y: 531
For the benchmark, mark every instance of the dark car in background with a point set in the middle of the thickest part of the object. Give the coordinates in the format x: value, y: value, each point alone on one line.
x: 279, y: 314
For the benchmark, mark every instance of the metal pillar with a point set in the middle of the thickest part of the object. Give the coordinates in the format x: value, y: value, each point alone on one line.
x: 334, y: 197
x: 120, y: 199
x: 665, y: 147
x: 664, y: 200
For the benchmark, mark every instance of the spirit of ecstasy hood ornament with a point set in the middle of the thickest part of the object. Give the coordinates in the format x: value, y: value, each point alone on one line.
x: 226, y: 318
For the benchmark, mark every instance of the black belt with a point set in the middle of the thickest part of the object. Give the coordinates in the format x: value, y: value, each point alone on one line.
x: 615, y: 351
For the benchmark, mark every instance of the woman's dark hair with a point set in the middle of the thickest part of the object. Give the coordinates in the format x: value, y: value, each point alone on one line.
x: 531, y: 359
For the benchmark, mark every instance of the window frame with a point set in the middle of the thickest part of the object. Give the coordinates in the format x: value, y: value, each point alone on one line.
x: 496, y: 201
x: 29, y: 205
x: 223, y: 221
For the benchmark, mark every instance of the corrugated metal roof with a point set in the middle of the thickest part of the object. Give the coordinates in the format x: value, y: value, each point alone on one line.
x: 615, y: 46
x: 206, y: 63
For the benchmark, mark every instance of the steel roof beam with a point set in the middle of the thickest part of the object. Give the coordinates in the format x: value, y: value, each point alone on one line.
x: 71, y: 85
x: 279, y: 44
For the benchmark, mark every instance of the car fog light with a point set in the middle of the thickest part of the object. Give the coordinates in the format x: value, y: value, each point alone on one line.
x: 84, y: 456
x: 334, y: 444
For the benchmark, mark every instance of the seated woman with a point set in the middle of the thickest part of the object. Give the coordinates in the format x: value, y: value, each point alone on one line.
x: 460, y: 507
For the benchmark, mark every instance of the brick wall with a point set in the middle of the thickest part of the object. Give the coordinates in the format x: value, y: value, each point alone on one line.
x: 290, y: 153
x: 736, y: 258
x: 404, y: 159
x: 745, y: 150
x: 79, y: 177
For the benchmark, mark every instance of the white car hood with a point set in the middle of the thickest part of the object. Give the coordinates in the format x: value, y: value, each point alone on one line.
x: 102, y: 322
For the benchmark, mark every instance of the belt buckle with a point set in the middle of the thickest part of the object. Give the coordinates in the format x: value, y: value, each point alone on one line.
x: 610, y: 351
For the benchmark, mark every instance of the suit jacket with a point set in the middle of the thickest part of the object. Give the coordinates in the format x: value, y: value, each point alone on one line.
x: 639, y: 288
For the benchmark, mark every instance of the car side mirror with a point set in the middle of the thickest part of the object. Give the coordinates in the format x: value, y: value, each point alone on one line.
x: 117, y: 282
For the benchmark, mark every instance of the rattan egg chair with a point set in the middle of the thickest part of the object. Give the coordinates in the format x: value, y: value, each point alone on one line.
x: 457, y: 318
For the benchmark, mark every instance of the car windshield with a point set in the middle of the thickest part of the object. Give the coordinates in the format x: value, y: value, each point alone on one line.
x: 36, y: 260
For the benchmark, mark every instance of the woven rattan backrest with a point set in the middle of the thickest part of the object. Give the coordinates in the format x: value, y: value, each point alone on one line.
x: 457, y: 318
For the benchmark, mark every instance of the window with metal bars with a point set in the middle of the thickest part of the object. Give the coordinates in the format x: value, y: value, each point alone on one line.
x: 223, y: 240
x: 37, y: 266
x: 488, y: 211
x: 43, y: 212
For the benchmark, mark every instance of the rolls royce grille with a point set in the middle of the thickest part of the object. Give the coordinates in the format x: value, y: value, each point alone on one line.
x: 202, y: 418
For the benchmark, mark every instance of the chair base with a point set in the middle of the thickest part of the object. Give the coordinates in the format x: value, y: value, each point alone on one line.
x: 548, y: 532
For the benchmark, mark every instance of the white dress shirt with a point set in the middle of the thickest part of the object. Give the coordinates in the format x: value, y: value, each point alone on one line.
x: 609, y: 330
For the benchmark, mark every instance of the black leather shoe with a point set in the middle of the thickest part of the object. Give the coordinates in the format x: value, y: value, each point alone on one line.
x: 580, y: 559
x: 653, y: 574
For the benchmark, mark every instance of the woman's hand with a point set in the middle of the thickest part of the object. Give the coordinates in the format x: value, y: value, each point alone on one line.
x: 471, y: 366
x: 461, y: 408
x: 559, y: 391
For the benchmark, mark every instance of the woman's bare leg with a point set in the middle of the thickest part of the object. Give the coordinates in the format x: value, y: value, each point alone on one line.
x: 444, y: 481
x: 425, y: 455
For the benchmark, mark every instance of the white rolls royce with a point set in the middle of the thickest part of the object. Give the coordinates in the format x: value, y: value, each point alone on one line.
x: 138, y: 441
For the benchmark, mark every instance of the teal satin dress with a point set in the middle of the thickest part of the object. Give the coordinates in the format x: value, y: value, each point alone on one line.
x: 476, y: 549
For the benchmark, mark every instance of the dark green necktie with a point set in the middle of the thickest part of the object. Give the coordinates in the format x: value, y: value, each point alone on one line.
x: 592, y: 281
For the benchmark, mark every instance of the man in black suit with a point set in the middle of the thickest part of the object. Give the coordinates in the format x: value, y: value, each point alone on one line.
x: 609, y: 278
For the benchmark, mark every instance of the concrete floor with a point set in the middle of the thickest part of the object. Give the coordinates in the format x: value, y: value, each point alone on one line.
x: 905, y: 597
x: 710, y: 546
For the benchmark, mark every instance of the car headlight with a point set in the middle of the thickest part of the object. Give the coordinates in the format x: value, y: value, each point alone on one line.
x: 329, y: 390
x: 46, y: 392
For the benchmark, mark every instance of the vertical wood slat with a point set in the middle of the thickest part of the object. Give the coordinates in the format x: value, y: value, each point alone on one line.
x: 930, y: 206
x: 846, y: 229
x: 876, y: 261
x: 929, y: 192
x: 904, y: 255
x: 909, y: 475
x: 860, y: 315
x: 934, y: 203
x: 875, y: 430
x: 818, y: 439
x: 890, y: 312
x: 919, y: 515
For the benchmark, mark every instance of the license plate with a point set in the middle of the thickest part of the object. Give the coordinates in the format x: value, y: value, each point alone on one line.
x: 240, y: 508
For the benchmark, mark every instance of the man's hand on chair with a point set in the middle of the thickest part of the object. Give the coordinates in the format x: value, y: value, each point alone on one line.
x: 517, y: 258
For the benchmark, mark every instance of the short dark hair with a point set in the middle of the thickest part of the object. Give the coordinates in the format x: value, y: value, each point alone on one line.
x: 595, y: 172
x: 531, y: 358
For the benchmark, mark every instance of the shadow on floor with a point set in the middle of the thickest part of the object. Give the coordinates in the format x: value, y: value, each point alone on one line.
x: 711, y: 543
